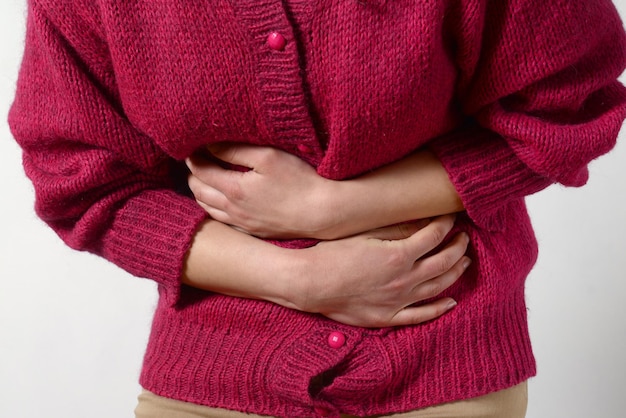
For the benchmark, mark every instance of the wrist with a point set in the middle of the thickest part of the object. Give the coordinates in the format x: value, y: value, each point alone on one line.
x: 338, y: 217
x: 325, y: 212
x: 294, y: 279
x: 349, y: 209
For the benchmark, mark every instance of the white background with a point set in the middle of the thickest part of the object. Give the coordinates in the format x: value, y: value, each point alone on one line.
x: 73, y: 327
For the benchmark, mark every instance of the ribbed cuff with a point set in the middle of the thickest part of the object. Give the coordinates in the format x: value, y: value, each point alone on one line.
x: 151, y: 235
x: 486, y: 173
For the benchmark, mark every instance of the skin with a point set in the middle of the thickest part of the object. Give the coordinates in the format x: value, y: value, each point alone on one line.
x: 283, y: 197
x: 363, y: 273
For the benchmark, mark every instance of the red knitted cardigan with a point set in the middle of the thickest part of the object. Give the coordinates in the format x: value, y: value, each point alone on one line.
x: 511, y: 95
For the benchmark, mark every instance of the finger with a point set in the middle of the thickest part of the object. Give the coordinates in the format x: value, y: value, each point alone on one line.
x: 225, y: 218
x: 198, y: 165
x: 250, y: 156
x: 442, y: 261
x: 419, y: 314
x: 214, y: 210
x: 197, y: 161
x: 399, y: 231
x: 216, y: 214
x: 434, y: 287
x: 211, y: 174
x: 206, y: 194
x: 429, y: 237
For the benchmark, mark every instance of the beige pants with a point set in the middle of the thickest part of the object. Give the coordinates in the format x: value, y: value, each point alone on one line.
x: 508, y: 403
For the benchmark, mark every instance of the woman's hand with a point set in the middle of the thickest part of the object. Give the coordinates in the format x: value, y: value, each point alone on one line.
x: 283, y: 197
x: 372, y: 279
x: 280, y: 196
x: 368, y: 280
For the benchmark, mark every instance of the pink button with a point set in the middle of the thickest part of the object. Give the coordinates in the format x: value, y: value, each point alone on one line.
x: 276, y: 41
x: 322, y: 412
x: 336, y: 339
x: 305, y: 149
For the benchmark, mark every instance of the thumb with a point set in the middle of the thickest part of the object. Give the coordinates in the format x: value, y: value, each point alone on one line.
x: 398, y: 231
x: 237, y: 154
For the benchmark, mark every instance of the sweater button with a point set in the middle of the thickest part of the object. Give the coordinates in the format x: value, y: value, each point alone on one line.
x: 276, y: 41
x: 336, y: 339
x: 322, y: 412
x: 305, y: 149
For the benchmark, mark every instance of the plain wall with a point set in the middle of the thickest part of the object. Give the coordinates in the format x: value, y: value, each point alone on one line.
x: 73, y: 327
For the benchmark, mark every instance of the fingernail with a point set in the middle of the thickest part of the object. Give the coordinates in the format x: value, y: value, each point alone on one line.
x: 451, y: 304
x: 466, y: 263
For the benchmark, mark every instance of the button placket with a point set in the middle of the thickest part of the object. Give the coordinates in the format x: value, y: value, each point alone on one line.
x: 297, y: 365
x: 279, y: 78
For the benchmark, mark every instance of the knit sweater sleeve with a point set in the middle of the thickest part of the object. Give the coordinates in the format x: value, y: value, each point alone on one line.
x: 538, y: 85
x: 102, y: 185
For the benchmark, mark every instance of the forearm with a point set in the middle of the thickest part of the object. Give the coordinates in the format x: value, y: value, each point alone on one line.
x: 415, y: 187
x: 224, y: 260
x: 283, y: 197
x: 370, y: 279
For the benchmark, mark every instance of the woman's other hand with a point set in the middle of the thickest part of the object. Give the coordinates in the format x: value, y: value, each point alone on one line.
x: 280, y: 196
x: 374, y: 278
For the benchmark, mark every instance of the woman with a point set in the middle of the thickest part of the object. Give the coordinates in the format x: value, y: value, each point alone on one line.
x: 301, y: 122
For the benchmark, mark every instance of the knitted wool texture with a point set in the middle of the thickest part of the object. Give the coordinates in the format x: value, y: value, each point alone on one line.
x: 511, y: 95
